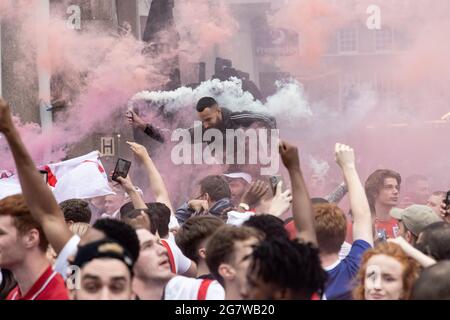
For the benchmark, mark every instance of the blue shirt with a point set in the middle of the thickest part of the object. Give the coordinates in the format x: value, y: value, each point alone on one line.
x: 340, y: 275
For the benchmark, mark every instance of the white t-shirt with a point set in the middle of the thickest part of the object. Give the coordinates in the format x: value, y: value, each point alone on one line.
x: 182, y: 263
x: 183, y: 288
x: 173, y: 223
x: 70, y: 249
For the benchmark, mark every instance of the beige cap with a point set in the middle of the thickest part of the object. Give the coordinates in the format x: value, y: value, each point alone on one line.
x: 415, y: 217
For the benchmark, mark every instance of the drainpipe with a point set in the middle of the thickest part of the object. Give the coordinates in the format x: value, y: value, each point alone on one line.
x: 43, y: 19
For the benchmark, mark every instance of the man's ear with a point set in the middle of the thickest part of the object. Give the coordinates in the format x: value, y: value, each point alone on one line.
x: 207, y: 197
x: 409, y: 237
x: 226, y: 271
x: 202, y: 253
x: 31, y: 238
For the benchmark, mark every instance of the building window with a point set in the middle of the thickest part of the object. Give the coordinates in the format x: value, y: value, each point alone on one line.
x: 348, y: 40
x: 384, y: 39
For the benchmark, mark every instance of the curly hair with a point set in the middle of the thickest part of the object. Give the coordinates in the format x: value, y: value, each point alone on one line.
x: 375, y: 182
x: 411, y: 268
x: 121, y: 232
x: 76, y: 210
x: 271, y: 226
x: 289, y: 264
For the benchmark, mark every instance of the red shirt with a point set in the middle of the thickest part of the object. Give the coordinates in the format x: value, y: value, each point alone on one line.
x: 390, y: 227
x: 49, y: 286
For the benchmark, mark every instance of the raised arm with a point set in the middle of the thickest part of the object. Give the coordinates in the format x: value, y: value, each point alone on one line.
x: 302, y: 209
x: 39, y: 198
x: 362, y: 220
x: 148, y: 129
x: 130, y: 189
x: 424, y: 260
x: 156, y: 181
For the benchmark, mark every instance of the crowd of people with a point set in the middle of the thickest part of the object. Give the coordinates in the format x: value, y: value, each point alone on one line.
x: 236, y: 238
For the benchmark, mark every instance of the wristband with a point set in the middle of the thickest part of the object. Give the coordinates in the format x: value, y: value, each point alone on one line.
x: 244, y: 206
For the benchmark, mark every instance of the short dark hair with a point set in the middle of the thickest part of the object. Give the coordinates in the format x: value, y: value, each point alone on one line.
x: 159, y: 218
x: 16, y: 207
x: 120, y: 232
x: 434, y: 240
x: 220, y: 248
x: 375, y: 182
x: 205, y: 102
x: 76, y: 210
x: 126, y: 209
x: 288, y: 264
x: 193, y: 232
x: 271, y: 226
x: 433, y: 283
x: 158, y: 213
x: 216, y: 186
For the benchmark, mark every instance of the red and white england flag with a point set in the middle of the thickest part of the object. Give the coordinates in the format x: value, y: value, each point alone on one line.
x: 79, y: 178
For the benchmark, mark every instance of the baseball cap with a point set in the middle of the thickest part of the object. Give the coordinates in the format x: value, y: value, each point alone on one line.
x: 105, y: 248
x: 239, y: 175
x: 415, y: 217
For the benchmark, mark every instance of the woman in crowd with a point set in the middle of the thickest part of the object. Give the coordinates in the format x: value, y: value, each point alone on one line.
x: 386, y: 273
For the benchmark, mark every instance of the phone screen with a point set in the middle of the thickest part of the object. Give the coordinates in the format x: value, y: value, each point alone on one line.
x: 274, y: 180
x: 447, y: 199
x: 121, y: 170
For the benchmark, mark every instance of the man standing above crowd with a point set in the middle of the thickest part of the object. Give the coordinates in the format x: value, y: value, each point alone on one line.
x: 212, y: 116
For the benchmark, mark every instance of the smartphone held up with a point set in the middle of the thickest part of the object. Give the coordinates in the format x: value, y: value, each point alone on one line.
x: 121, y: 170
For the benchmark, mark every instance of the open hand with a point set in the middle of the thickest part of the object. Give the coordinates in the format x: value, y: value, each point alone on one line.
x: 281, y: 202
x: 254, y: 194
x: 139, y: 150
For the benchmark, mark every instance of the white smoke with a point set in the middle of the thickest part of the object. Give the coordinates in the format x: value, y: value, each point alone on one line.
x: 288, y: 104
x: 319, y: 167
